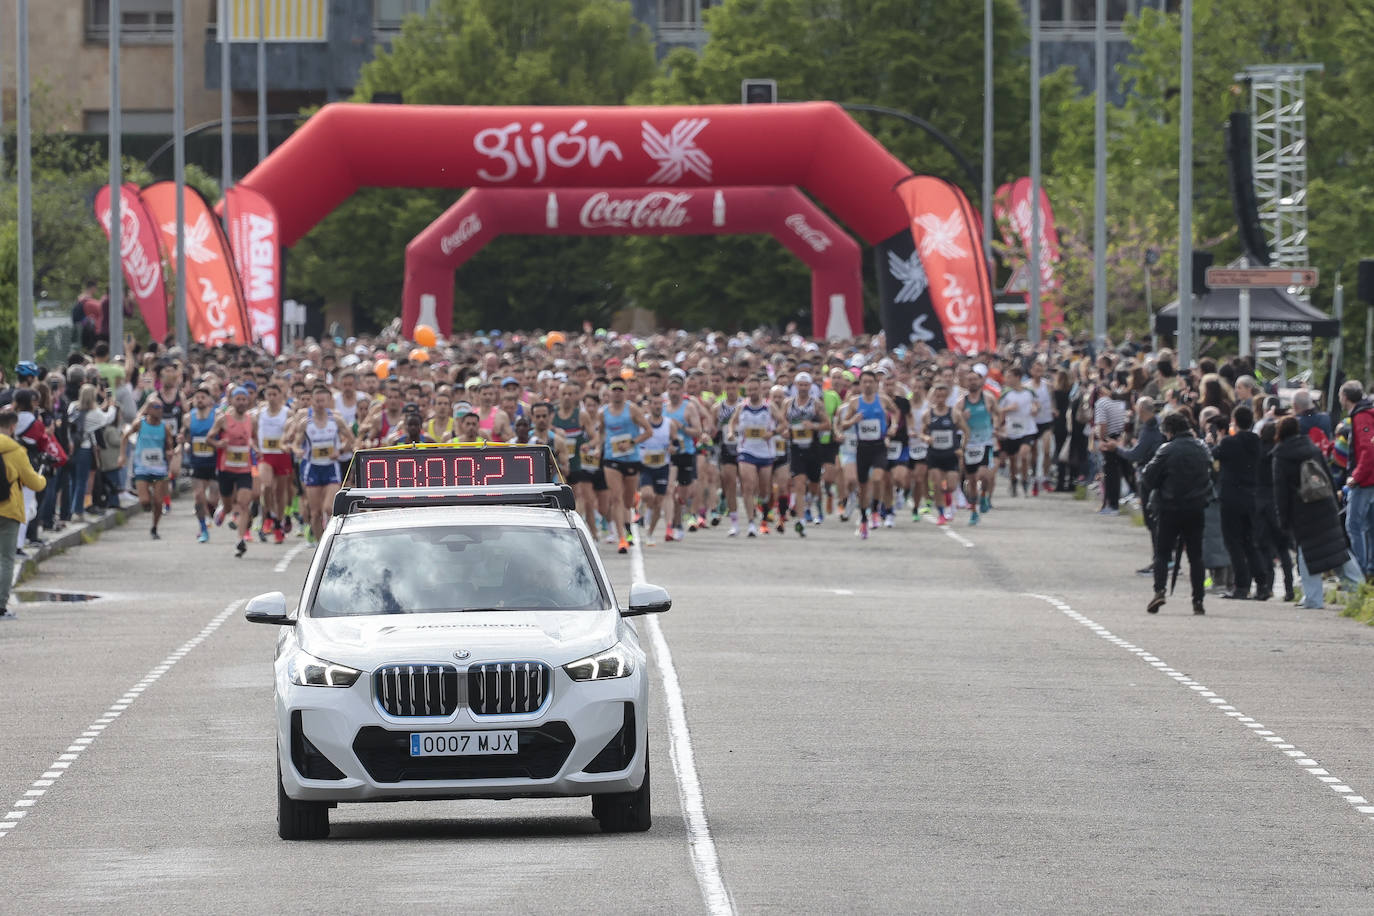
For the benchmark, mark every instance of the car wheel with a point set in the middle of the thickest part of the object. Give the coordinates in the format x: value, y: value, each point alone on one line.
x: 625, y: 812
x: 300, y: 820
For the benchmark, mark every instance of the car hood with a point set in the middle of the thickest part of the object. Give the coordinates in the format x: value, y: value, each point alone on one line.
x: 555, y: 637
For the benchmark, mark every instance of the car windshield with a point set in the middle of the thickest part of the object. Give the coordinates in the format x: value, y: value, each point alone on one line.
x: 432, y: 570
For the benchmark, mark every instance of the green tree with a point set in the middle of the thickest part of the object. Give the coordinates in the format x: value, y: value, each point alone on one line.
x: 483, y: 52
x: 923, y: 57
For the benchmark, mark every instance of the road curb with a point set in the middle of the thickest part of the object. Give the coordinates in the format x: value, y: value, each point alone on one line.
x: 74, y: 535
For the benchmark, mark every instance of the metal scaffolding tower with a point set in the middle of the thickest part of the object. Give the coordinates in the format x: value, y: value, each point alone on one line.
x: 1278, y: 148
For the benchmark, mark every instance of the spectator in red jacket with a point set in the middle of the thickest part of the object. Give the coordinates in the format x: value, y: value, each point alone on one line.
x: 1359, y: 518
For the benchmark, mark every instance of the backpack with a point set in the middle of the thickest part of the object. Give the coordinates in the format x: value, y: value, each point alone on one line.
x: 1313, y: 484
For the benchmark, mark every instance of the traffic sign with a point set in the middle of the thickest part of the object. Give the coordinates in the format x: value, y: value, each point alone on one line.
x: 1019, y: 282
x: 1259, y: 277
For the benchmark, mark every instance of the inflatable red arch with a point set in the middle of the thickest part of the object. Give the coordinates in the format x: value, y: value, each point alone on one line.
x: 788, y: 215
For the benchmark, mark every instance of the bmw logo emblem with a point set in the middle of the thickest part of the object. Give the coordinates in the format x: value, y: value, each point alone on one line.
x: 462, y: 654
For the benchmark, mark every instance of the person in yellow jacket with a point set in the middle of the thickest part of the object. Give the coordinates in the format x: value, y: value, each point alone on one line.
x: 14, y: 461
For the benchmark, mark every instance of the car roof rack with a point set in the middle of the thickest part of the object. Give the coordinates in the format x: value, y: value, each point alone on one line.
x: 548, y: 495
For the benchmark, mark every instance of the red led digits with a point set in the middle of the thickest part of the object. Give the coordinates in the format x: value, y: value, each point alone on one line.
x: 529, y: 467
x: 494, y: 476
x: 464, y: 472
x: 374, y: 474
x: 406, y: 472
x: 435, y: 475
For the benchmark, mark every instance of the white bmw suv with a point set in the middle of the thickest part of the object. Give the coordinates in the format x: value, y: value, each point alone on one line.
x: 454, y: 651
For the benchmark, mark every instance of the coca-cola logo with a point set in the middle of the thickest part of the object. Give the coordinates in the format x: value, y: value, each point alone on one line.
x: 143, y: 270
x: 809, y: 234
x: 469, y: 227
x: 655, y: 210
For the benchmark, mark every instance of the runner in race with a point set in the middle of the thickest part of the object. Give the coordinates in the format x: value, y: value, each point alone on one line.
x: 1018, y: 407
x: 942, y: 429
x: 169, y: 381
x: 806, y: 420
x: 752, y: 426
x: 543, y: 432
x: 981, y: 418
x: 195, y: 439
x: 918, y: 450
x: 726, y: 409
x: 898, y: 477
x: 1040, y: 386
x: 684, y: 492
x: 318, y: 444
x: 621, y: 427
x: 440, y: 427
x: 233, y: 434
x: 152, y: 450
x: 870, y: 415
x: 274, y: 463
x: 655, y: 457
x: 780, y: 493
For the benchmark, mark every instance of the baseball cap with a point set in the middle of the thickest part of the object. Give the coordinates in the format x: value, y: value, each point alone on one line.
x: 240, y: 390
x: 510, y: 380
x: 981, y: 369
x: 802, y: 377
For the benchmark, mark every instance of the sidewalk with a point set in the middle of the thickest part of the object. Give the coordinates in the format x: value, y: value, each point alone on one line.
x: 76, y: 534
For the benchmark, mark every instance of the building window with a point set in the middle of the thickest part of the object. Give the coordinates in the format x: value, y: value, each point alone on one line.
x: 140, y: 21
x: 131, y: 121
x: 682, y: 15
x: 387, y: 15
x: 1082, y: 14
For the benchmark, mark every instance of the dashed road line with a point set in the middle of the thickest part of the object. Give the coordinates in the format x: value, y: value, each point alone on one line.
x: 290, y: 555
x: 1295, y: 755
x: 949, y: 531
x: 24, y: 805
x: 705, y: 859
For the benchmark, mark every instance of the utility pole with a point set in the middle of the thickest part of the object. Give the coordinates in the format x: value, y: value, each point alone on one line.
x: 179, y: 157
x: 987, y: 130
x: 1100, y: 179
x: 116, y: 282
x: 25, y: 165
x: 226, y: 115
x: 1033, y: 328
x: 262, y: 83
x: 1185, y: 194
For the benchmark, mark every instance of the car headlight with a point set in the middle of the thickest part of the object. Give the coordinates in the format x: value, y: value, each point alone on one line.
x: 614, y: 662
x: 305, y: 670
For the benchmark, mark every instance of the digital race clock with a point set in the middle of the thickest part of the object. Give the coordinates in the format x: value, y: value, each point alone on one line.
x: 406, y: 468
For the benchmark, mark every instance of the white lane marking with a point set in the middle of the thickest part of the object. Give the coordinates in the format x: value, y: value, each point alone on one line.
x: 1300, y: 757
x: 842, y: 591
x: 705, y: 859
x: 290, y: 555
x: 949, y: 531
x: 74, y: 751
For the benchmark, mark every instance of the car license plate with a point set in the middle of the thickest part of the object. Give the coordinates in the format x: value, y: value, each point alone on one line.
x: 463, y: 744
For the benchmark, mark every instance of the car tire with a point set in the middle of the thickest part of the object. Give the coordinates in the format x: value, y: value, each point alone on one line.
x: 300, y: 820
x: 625, y: 812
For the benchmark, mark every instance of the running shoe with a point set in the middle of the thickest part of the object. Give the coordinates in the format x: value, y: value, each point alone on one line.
x: 701, y: 520
x: 763, y: 526
x: 204, y: 536
x: 1035, y: 488
x: 166, y: 505
x: 287, y: 524
x: 800, y: 529
x: 808, y: 517
x: 152, y: 532
x: 888, y: 522
x: 650, y: 542
x: 734, y: 530
x: 984, y: 505
x: 629, y: 538
x: 692, y: 525
x: 241, y: 548
x: 753, y: 532
x: 219, y: 516
x: 279, y: 536
x: 715, y: 519
x: 624, y: 546
x: 973, y: 519
x: 863, y: 530
x: 234, y: 521
x: 940, y: 519
x: 667, y: 537
x: 611, y: 538
x: 267, y: 524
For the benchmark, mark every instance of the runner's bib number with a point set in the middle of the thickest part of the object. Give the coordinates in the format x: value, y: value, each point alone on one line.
x: 918, y: 449
x: 894, y: 450
x: 271, y: 445
x: 622, y: 446
x: 870, y: 430
x: 779, y: 447
x: 973, y: 454
x: 152, y: 458
x: 1016, y: 429
x: 236, y: 457
x: 654, y: 459
x: 321, y: 452
x: 801, y: 436
x: 201, y: 447
x: 756, y: 432
x: 590, y: 459
x: 942, y: 439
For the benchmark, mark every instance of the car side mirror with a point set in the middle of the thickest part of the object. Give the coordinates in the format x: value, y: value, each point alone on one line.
x: 647, y: 599
x: 268, y: 608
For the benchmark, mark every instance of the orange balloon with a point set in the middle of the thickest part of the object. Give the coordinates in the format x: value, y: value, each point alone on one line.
x: 383, y: 368
x: 555, y: 337
x: 425, y: 336
x: 419, y: 356
x: 627, y: 373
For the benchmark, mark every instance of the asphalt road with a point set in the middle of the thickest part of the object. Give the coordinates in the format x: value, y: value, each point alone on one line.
x: 931, y: 721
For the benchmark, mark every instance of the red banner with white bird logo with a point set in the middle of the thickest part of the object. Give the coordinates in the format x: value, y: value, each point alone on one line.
x: 139, y: 254
x: 1012, y: 211
x: 254, y: 240
x: 950, y: 246
x: 215, y: 311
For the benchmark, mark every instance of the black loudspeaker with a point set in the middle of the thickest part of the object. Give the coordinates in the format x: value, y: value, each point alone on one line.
x: 1252, y: 237
x: 1366, y: 285
x: 1201, y: 261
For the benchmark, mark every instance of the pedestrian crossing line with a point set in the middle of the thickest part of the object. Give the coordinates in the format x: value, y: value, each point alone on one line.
x: 41, y: 786
x: 1300, y: 757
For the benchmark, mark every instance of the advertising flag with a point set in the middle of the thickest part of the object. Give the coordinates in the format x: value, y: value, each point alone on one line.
x: 1012, y: 212
x: 215, y: 310
x: 950, y: 246
x: 904, y: 305
x: 253, y: 239
x: 138, y: 252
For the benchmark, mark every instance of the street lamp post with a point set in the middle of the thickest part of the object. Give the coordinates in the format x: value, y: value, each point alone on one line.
x: 1033, y: 328
x: 24, y: 164
x: 116, y: 275
x: 1185, y: 194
